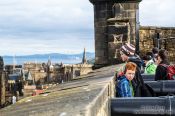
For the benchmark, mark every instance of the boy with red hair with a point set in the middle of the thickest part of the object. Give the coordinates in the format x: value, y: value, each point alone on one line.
x: 124, y: 85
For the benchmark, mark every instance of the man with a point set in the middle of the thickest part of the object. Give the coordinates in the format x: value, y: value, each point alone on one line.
x: 127, y: 53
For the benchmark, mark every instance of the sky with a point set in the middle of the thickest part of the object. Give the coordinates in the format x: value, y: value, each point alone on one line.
x: 63, y: 26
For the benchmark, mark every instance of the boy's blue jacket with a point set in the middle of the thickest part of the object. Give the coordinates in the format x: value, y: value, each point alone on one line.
x: 123, y: 87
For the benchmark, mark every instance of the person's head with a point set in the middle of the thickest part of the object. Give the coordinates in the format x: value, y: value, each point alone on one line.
x: 155, y: 51
x: 150, y: 54
x: 162, y: 56
x: 130, y: 70
x: 146, y: 58
x: 126, y: 51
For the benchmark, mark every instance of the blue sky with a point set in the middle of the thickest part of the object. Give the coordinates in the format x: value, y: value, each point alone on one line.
x: 62, y: 26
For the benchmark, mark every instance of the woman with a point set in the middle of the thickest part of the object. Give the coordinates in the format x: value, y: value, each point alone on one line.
x: 162, y: 61
x: 150, y: 66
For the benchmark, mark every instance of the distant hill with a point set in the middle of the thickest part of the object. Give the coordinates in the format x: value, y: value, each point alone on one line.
x: 55, y: 57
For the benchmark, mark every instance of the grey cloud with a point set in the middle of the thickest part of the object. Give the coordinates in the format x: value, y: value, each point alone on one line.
x: 62, y: 25
x: 22, y: 46
x: 46, y: 16
x: 157, y: 12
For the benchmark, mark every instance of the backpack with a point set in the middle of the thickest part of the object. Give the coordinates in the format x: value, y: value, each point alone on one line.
x: 170, y: 71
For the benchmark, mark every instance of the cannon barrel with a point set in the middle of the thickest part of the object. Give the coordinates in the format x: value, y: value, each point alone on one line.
x: 147, y: 106
x: 148, y: 77
x: 163, y: 86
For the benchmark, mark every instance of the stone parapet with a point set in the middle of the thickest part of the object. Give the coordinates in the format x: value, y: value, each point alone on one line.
x: 83, y: 97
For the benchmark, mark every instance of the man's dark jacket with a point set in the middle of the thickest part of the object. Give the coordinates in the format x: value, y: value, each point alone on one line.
x: 141, y: 89
x: 161, y: 71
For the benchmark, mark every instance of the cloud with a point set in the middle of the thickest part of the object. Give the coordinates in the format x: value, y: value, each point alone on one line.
x: 64, y: 26
x: 44, y: 15
x: 42, y: 26
x: 20, y: 46
x: 157, y: 12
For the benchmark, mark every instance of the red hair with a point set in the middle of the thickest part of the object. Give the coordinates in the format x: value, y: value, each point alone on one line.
x: 130, y: 66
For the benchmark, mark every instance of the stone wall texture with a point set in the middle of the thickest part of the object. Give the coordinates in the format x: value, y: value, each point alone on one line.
x: 122, y: 28
x: 108, y: 33
x: 88, y: 96
x: 149, y: 39
x: 116, y: 22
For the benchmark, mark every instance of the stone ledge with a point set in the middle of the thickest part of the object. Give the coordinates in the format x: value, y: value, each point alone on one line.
x: 84, y: 97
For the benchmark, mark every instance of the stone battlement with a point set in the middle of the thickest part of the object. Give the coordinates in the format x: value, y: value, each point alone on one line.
x: 88, y: 96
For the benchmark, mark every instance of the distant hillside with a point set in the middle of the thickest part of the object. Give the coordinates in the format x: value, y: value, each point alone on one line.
x: 55, y: 57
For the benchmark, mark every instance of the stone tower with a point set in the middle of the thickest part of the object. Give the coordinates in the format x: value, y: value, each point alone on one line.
x: 49, y: 70
x: 2, y: 82
x: 84, y: 61
x: 116, y: 22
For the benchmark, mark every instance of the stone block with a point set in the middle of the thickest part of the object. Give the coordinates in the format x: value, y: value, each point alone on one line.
x: 130, y: 6
x: 100, y: 14
x: 112, y: 29
x: 101, y: 24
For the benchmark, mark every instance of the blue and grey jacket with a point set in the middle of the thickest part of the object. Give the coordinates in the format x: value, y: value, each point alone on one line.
x: 124, y: 87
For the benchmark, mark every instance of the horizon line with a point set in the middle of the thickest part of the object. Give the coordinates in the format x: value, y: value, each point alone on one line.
x: 46, y: 54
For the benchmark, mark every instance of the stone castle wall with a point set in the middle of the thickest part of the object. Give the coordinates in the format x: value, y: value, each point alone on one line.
x: 117, y: 22
x: 114, y: 20
x: 122, y: 28
x: 149, y: 37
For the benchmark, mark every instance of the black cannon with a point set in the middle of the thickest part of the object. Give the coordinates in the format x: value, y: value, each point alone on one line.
x: 148, y: 77
x: 163, y: 87
x: 143, y: 106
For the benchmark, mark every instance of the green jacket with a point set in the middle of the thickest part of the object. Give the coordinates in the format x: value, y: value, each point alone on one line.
x: 150, y: 67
